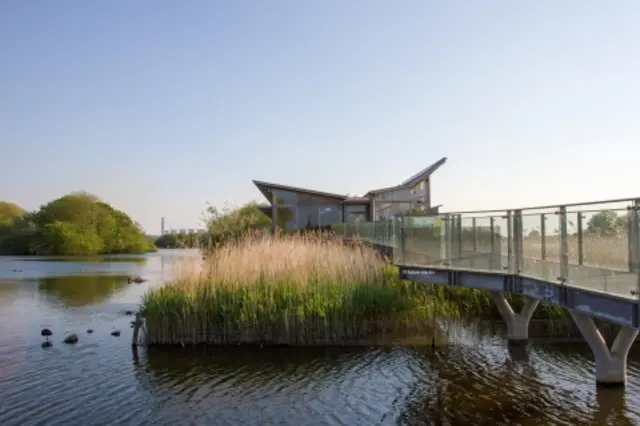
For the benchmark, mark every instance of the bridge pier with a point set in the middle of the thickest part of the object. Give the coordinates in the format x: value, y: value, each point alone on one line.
x: 611, y: 365
x: 517, y: 324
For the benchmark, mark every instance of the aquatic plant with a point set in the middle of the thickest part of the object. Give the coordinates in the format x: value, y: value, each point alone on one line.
x: 291, y: 289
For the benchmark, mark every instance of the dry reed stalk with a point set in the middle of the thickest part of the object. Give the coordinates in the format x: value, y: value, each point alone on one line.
x: 302, y: 289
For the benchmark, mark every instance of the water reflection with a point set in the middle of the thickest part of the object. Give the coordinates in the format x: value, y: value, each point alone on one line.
x: 294, y: 386
x: 611, y: 408
x: 472, y: 378
x: 17, y: 268
x: 479, y: 385
x: 83, y: 290
x: 89, y: 259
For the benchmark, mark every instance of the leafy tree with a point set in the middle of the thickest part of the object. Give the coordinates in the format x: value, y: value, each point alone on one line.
x: 606, y: 224
x: 229, y: 223
x: 75, y: 224
x: 10, y: 213
x: 69, y: 239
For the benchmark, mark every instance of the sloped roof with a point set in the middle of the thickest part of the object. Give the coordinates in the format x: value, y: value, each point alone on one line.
x: 266, y: 187
x: 423, y: 174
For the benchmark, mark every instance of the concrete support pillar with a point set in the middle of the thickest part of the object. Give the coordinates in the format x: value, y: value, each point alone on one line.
x: 611, y: 365
x: 517, y: 324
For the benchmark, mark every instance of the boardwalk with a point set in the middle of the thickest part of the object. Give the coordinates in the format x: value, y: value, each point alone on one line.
x: 558, y: 244
x: 583, y: 257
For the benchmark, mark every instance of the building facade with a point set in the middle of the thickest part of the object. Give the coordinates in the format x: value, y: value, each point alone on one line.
x: 293, y: 208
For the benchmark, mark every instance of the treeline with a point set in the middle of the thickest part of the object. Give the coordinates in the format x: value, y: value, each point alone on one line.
x: 222, y: 225
x: 77, y: 224
x: 182, y: 240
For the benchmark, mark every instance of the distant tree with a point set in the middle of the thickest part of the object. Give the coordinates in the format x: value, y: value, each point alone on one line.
x: 75, y: 224
x: 180, y: 240
x: 232, y: 223
x: 10, y: 213
x: 606, y: 224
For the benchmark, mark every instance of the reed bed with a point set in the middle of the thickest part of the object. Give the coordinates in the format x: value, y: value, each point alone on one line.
x: 289, y: 290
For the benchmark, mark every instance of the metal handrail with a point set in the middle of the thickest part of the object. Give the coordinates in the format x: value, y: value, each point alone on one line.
x: 549, y: 206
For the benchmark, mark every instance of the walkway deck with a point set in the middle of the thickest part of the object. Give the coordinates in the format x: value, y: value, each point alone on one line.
x: 580, y: 256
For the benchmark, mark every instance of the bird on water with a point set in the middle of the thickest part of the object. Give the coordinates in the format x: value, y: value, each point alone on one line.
x: 46, y: 333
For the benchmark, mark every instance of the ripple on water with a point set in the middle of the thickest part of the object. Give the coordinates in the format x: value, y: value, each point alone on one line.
x: 474, y: 380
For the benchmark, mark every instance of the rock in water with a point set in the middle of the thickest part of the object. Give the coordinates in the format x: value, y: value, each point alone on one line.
x: 115, y: 333
x: 90, y: 330
x: 71, y: 339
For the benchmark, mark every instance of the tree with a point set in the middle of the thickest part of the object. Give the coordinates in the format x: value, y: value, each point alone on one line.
x: 9, y: 214
x: 606, y: 224
x: 75, y: 224
x: 229, y: 223
x: 181, y: 240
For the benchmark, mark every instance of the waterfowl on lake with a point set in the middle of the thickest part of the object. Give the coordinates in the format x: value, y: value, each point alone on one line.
x: 46, y: 333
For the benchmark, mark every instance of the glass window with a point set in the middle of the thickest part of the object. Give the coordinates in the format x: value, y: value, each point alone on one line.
x: 286, y: 198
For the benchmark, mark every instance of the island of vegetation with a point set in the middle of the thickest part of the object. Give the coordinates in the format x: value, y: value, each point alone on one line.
x: 309, y: 288
x: 77, y: 224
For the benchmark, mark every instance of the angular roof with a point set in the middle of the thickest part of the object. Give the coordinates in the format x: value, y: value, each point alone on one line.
x: 267, y: 187
x: 423, y: 174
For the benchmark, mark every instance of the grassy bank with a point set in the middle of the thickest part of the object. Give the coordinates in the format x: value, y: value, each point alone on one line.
x: 302, y: 290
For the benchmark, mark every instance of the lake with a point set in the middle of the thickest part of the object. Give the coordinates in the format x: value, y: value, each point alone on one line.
x: 473, y: 380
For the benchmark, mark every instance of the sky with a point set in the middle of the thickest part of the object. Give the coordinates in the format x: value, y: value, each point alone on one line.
x: 160, y: 107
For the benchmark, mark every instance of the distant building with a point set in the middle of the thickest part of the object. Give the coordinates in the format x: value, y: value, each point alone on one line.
x: 305, y: 207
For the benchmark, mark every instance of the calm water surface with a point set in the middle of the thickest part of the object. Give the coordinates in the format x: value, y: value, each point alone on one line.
x: 100, y: 381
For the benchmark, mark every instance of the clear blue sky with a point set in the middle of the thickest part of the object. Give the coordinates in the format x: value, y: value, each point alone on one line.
x: 159, y: 107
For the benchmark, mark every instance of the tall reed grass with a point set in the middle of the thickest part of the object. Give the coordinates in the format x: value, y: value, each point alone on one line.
x: 295, y: 290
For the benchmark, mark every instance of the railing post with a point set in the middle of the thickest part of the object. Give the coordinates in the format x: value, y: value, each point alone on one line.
x: 459, y: 236
x: 403, y: 241
x: 492, y: 236
x: 510, y: 261
x: 448, y: 238
x: 474, y: 232
x: 580, y: 238
x: 474, y: 243
x: 518, y: 240
x: 634, y: 236
x: 564, y: 245
x: 443, y: 241
x: 632, y: 217
x: 394, y: 238
x: 543, y: 236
